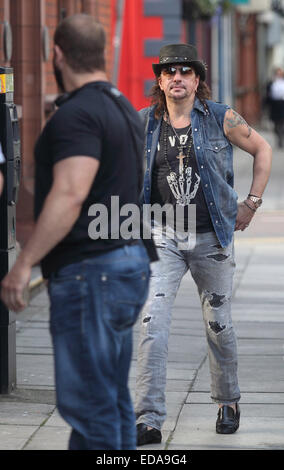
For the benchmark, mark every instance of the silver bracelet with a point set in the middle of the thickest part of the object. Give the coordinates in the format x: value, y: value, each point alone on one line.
x: 254, y: 210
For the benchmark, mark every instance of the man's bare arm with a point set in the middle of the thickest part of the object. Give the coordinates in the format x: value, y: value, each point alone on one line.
x: 73, y: 178
x: 233, y: 120
x: 243, y: 136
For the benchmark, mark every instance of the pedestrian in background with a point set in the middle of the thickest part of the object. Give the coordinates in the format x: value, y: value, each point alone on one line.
x: 86, y: 153
x: 190, y: 161
x: 275, y: 101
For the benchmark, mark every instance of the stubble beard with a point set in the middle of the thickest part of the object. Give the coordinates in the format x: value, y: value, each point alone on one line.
x: 178, y: 97
x: 58, y: 77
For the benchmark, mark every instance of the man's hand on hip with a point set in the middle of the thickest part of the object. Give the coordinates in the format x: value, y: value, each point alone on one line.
x: 244, y: 216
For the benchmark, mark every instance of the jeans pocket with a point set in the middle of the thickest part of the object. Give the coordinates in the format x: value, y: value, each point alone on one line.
x: 70, y: 272
x: 66, y: 304
x: 123, y: 297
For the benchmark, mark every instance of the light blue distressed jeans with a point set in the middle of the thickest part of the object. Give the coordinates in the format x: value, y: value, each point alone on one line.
x: 212, y: 268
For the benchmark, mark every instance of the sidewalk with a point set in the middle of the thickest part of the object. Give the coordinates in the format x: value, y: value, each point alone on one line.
x: 29, y: 419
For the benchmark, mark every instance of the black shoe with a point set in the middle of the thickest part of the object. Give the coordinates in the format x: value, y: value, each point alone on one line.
x: 145, y: 436
x: 228, y: 420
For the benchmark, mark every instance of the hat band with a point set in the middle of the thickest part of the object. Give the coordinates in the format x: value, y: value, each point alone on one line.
x: 176, y: 59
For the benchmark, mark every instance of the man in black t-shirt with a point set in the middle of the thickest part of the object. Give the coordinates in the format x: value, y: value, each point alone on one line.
x: 98, y: 280
x: 2, y: 160
x: 1, y: 182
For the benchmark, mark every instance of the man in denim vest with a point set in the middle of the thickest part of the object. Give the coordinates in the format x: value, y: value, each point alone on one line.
x: 188, y: 146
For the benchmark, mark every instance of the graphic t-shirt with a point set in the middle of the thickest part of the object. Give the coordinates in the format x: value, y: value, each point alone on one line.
x: 175, y: 183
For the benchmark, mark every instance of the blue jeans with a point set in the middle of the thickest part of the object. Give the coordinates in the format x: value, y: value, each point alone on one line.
x: 93, y: 306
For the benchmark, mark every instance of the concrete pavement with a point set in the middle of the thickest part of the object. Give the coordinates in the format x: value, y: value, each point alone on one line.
x: 29, y: 419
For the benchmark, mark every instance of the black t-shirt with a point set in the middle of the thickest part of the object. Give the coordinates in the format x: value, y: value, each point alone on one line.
x: 166, y: 186
x: 2, y: 158
x: 90, y: 123
x: 2, y: 161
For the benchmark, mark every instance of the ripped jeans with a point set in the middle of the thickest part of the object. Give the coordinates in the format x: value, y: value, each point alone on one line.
x: 212, y: 268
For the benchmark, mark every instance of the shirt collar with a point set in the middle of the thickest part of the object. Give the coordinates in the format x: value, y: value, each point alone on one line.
x: 198, y: 105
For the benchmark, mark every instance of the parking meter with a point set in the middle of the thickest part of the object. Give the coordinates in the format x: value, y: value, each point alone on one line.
x: 10, y: 142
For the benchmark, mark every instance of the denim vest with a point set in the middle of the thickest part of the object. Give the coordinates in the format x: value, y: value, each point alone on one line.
x: 214, y: 155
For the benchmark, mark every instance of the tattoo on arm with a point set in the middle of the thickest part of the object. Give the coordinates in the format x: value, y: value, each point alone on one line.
x: 237, y: 120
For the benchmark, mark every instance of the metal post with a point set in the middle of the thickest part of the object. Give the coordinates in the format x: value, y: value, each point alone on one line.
x: 10, y: 141
x: 192, y: 32
x: 117, y: 41
x: 221, y: 56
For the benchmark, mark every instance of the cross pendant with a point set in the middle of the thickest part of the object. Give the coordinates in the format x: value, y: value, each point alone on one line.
x: 180, y: 157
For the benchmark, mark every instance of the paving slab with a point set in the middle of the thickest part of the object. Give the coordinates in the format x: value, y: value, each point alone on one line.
x: 22, y: 414
x: 35, y: 370
x: 254, y: 398
x: 248, y: 410
x: 192, y: 345
x: 268, y: 347
x: 259, y: 330
x: 49, y: 438
x: 31, y: 350
x: 196, y: 430
x: 55, y: 420
x: 36, y: 338
x: 250, y: 380
x: 257, y: 313
x: 178, y: 365
x: 15, y: 437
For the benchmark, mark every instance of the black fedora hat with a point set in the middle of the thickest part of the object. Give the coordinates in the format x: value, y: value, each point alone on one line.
x: 179, y: 54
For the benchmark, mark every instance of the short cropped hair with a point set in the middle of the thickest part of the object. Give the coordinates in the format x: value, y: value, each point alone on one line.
x: 82, y: 40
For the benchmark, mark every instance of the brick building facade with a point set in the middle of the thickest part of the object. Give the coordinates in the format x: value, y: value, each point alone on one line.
x: 32, y: 24
x: 247, y: 92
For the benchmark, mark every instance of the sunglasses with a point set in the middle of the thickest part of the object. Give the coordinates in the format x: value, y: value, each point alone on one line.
x: 183, y: 70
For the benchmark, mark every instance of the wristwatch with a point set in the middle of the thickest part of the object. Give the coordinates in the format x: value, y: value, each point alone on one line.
x: 256, y: 200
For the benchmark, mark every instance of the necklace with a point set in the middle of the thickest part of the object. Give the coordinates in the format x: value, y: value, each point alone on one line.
x: 174, y: 131
x: 181, y: 147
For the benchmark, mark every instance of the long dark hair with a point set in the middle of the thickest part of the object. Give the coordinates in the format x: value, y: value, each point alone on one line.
x: 158, y: 98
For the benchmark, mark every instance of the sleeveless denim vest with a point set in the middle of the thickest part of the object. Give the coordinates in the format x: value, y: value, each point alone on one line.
x: 214, y: 155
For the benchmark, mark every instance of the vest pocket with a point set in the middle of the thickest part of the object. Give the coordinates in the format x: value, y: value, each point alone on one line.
x: 217, y: 156
x: 216, y: 146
